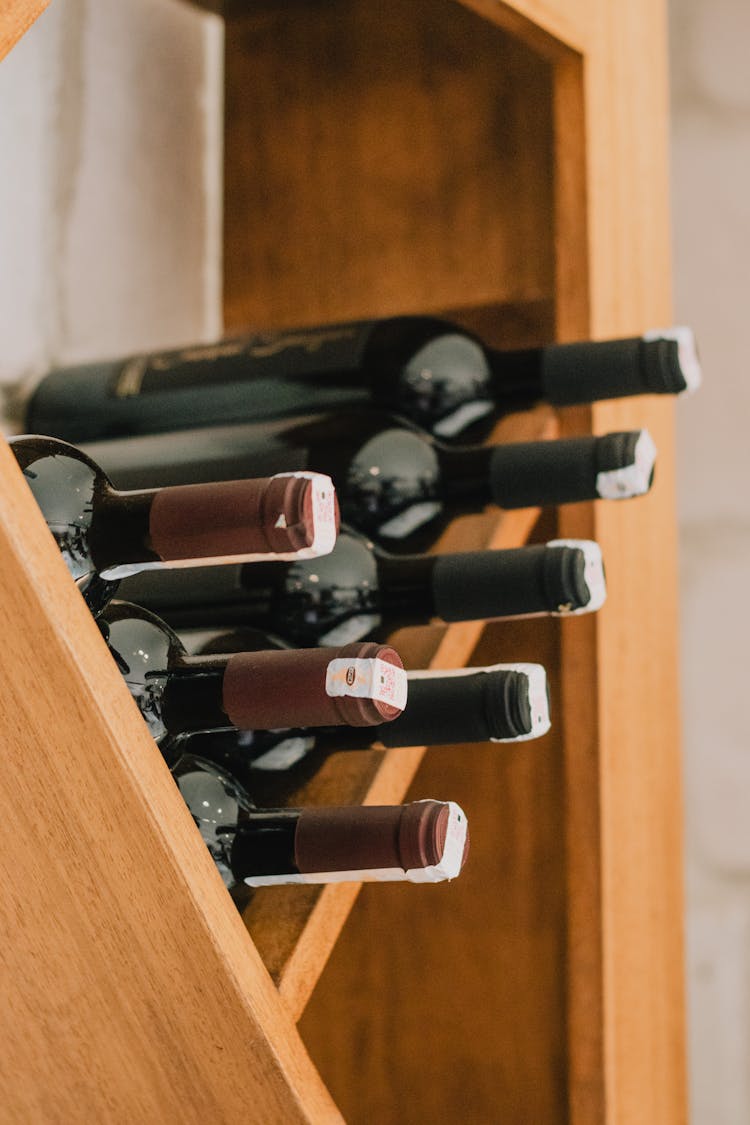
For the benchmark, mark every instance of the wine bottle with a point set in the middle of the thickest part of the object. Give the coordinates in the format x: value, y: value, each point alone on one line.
x: 421, y: 842
x: 179, y: 695
x: 394, y: 482
x: 498, y: 703
x: 424, y: 368
x: 358, y: 590
x: 104, y: 534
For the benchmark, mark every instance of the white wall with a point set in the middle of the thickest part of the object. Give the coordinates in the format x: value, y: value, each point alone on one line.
x: 711, y: 223
x: 110, y: 182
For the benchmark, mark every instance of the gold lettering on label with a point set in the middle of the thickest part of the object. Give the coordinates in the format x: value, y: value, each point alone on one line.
x: 310, y: 342
x: 130, y: 380
x: 131, y: 377
x: 197, y: 353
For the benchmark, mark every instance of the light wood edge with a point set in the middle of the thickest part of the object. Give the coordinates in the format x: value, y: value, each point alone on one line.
x: 253, y: 1029
x: 637, y: 1071
x: 626, y: 1009
x: 550, y: 27
x: 16, y: 18
x: 626, y: 1017
x: 640, y: 778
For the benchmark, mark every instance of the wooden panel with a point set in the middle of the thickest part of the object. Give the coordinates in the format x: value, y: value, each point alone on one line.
x: 625, y: 818
x: 627, y: 1037
x: 17, y: 17
x: 623, y: 771
x: 130, y: 984
x: 374, y: 156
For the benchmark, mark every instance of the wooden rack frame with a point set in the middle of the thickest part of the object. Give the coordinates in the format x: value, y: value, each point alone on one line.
x: 528, y: 193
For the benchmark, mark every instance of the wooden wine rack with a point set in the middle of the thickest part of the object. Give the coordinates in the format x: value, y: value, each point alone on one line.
x: 505, y: 162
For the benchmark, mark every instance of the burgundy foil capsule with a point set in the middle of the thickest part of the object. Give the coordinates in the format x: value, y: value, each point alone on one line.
x: 421, y: 842
x: 287, y: 516
x: 358, y: 685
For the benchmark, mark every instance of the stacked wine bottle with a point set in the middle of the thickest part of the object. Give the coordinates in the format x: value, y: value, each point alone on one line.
x: 248, y: 572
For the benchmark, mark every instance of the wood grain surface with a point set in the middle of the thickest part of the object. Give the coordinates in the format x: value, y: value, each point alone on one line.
x: 377, y: 162
x: 130, y: 988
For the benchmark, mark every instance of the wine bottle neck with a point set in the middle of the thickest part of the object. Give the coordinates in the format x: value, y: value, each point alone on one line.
x: 120, y: 536
x: 516, y: 381
x: 193, y: 698
x: 466, y: 475
x: 570, y: 470
x: 263, y: 846
x: 406, y: 589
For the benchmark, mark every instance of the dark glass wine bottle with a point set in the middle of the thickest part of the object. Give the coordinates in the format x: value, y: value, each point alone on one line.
x: 359, y: 590
x: 104, y: 534
x: 500, y: 703
x: 394, y: 483
x: 423, y: 368
x: 180, y: 695
x: 421, y: 842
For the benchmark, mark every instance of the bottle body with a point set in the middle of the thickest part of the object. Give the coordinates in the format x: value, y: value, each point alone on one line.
x: 104, y: 535
x: 180, y: 695
x: 360, y: 591
x: 391, y: 481
x: 501, y: 703
x: 394, y: 483
x: 73, y: 495
x: 422, y: 842
x: 421, y: 367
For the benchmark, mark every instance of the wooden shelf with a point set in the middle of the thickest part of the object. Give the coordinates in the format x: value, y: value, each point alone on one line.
x: 506, y: 162
x: 135, y: 990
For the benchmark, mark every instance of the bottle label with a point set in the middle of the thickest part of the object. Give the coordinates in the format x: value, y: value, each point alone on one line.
x: 538, y: 697
x: 295, y: 352
x: 453, y: 851
x: 593, y: 573
x: 687, y: 352
x: 361, y: 875
x: 633, y: 479
x: 324, y: 519
x: 371, y: 679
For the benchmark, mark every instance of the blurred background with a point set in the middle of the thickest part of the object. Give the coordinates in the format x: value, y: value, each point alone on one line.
x: 110, y: 239
x: 711, y: 240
